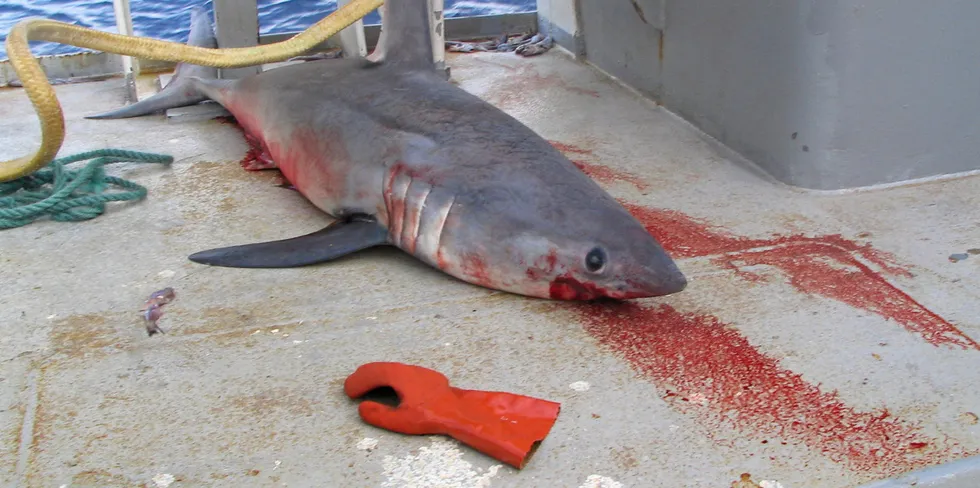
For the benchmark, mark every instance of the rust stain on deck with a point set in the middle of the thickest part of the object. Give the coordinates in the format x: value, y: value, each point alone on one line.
x: 279, y: 400
x: 78, y: 335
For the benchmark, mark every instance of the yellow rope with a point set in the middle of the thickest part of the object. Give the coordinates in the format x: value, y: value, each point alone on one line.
x: 46, y: 103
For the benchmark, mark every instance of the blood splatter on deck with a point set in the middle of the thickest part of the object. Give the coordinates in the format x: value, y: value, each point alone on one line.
x: 830, y: 266
x: 707, y: 368
x: 598, y: 172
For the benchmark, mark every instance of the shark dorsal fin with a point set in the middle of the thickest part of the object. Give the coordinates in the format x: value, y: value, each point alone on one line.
x: 408, y: 42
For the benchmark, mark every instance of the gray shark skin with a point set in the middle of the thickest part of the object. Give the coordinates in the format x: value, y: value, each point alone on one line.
x: 180, y: 90
x: 402, y: 157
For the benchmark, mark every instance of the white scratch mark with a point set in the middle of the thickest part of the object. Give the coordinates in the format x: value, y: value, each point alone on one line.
x: 52, y: 317
x: 297, y: 342
x: 580, y: 386
x: 167, y: 273
x: 596, y: 481
x: 274, y: 331
x: 367, y: 444
x: 441, y: 464
x: 770, y: 484
x: 163, y: 480
x: 277, y: 465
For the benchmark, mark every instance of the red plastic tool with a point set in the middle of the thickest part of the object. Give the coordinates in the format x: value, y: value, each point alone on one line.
x: 502, y: 425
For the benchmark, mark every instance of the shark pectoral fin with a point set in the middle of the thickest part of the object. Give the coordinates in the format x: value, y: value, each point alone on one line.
x: 336, y: 240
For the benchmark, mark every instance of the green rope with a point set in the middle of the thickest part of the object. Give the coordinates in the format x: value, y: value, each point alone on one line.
x: 71, y: 195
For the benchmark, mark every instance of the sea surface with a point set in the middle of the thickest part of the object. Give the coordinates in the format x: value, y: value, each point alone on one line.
x: 170, y: 20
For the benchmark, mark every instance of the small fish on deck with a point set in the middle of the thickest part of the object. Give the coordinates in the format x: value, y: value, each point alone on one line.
x: 524, y: 45
x: 153, y: 309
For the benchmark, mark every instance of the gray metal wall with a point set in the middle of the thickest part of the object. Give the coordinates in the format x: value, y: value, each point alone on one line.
x: 823, y: 94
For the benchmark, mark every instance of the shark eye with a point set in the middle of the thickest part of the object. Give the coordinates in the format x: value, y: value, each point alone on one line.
x: 595, y: 260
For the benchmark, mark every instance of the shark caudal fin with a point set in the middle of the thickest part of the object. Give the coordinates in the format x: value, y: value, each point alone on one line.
x: 407, y: 40
x: 180, y: 91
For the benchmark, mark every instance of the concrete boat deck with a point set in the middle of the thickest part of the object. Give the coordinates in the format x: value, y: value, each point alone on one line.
x: 825, y: 340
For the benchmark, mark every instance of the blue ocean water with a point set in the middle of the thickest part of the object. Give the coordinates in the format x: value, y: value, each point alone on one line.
x: 170, y: 20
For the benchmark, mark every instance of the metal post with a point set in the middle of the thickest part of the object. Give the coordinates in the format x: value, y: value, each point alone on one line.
x: 437, y: 29
x: 379, y: 49
x: 130, y: 65
x: 352, y: 37
x: 237, y: 25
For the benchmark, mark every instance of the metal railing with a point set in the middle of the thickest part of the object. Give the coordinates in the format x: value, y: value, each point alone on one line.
x: 360, y: 37
x: 237, y: 25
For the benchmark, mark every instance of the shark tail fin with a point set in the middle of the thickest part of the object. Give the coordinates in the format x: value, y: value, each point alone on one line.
x: 181, y: 91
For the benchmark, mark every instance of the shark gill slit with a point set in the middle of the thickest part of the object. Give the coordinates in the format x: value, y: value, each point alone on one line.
x: 418, y: 192
x: 434, y: 252
x: 396, y: 214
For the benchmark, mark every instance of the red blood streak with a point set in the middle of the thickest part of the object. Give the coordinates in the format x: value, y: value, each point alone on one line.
x: 730, y: 384
x: 227, y: 119
x: 532, y: 78
x: 607, y: 175
x: 601, y: 174
x: 476, y: 268
x: 858, y: 286
x: 552, y: 260
x: 686, y: 237
x: 395, y: 204
x: 566, y: 287
x: 543, y: 266
x: 825, y: 265
x: 528, y: 80
x: 257, y: 156
x: 568, y: 148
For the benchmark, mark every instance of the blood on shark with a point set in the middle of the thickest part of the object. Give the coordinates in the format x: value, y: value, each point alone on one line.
x: 400, y: 156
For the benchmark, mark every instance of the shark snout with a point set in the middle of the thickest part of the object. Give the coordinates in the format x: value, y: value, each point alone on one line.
x: 658, y: 286
x: 673, y: 281
x: 663, y: 278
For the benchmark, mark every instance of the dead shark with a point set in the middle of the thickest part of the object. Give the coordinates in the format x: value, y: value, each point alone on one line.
x: 402, y: 157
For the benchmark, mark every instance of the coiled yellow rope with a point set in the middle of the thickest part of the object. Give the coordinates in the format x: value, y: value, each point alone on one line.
x: 46, y: 103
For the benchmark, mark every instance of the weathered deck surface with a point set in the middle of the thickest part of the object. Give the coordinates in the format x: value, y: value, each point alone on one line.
x: 826, y: 340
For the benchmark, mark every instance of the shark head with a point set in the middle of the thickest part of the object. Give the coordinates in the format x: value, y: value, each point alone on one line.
x: 618, y: 260
x: 562, y: 239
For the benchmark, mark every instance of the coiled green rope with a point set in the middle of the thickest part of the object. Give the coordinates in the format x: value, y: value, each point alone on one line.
x: 71, y: 195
